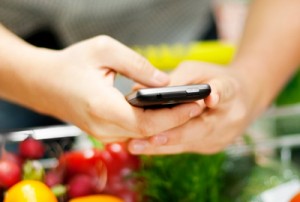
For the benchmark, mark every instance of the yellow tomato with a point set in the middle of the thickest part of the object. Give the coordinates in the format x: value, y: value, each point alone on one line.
x: 29, y: 191
x: 97, y: 198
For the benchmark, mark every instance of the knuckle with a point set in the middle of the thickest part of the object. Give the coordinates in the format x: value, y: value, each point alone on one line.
x: 180, y: 118
x: 145, y: 128
x: 103, y: 43
x: 92, y: 107
x: 142, y: 64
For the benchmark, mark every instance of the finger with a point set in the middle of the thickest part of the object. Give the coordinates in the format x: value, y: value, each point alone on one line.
x: 113, y: 139
x: 138, y: 122
x: 184, y: 134
x: 155, y: 121
x: 138, y: 86
x: 129, y: 63
x: 174, y: 149
x: 221, y: 91
x: 212, y: 100
x: 190, y: 72
x: 187, y: 134
x: 143, y: 147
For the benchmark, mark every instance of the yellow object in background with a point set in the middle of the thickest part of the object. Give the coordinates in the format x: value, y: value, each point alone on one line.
x: 167, y: 57
x: 29, y: 191
x: 97, y: 198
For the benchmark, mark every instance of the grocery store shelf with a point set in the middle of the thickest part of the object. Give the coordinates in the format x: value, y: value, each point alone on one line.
x: 52, y: 132
x: 284, y: 143
x: 283, y: 111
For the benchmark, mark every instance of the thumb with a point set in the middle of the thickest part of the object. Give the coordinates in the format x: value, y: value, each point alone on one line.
x: 221, y: 91
x: 129, y: 63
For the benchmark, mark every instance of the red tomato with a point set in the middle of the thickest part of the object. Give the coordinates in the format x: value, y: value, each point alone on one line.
x: 53, y: 177
x: 296, y: 198
x: 123, y: 188
x: 8, y: 156
x: 87, y: 162
x: 31, y: 148
x: 10, y: 173
x: 120, y: 164
x: 118, y: 160
x: 81, y: 185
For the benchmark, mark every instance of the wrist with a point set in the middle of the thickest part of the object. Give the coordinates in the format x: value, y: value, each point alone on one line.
x: 22, y: 72
x: 255, y: 85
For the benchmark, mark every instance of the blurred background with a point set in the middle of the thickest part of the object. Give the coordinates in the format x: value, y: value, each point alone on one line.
x: 262, y: 166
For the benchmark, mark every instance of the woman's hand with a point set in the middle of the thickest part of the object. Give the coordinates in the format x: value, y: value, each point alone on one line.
x: 226, y: 115
x: 76, y: 85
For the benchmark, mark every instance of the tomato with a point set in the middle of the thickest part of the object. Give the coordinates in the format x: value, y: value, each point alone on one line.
x: 81, y: 185
x: 97, y: 198
x: 296, y: 198
x: 29, y: 191
x: 81, y: 162
x: 123, y: 188
x: 120, y: 165
x: 10, y: 173
x: 8, y: 156
x: 31, y: 148
x: 53, y: 177
x: 118, y: 160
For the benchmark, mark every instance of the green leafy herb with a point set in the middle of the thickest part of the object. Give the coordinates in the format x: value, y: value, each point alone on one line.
x: 183, y: 178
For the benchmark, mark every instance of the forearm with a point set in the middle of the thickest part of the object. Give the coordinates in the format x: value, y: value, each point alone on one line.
x: 269, y: 52
x: 20, y: 69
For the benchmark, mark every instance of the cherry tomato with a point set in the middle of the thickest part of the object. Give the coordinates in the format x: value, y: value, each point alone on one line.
x: 53, y: 177
x: 10, y: 173
x: 296, y: 198
x: 120, y: 165
x: 8, y: 156
x: 81, y: 162
x: 118, y: 160
x: 123, y: 188
x: 80, y: 185
x: 31, y: 148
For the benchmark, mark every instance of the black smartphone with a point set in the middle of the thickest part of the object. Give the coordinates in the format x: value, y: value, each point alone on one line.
x: 167, y: 96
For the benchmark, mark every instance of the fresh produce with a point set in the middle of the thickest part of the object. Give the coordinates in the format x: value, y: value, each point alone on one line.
x: 81, y: 185
x: 266, y: 176
x: 29, y: 191
x: 87, y: 162
x: 87, y: 175
x: 53, y: 177
x: 120, y: 168
x: 97, y: 198
x: 119, y: 160
x: 31, y: 148
x: 14, y: 158
x: 33, y: 170
x: 184, y: 177
x: 296, y: 198
x: 95, y: 171
x: 10, y: 173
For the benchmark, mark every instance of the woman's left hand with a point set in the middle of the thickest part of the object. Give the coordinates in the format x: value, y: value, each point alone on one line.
x: 226, y: 116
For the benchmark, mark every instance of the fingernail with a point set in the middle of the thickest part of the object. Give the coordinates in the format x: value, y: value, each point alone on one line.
x: 160, y: 139
x: 160, y: 77
x: 195, y: 112
x: 139, y: 146
x: 215, y: 99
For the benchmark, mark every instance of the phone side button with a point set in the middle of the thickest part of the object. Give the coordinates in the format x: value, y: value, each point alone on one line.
x: 192, y: 90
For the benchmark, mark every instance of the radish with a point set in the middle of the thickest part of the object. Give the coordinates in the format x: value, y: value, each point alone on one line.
x: 81, y: 185
x: 31, y: 148
x: 10, y: 173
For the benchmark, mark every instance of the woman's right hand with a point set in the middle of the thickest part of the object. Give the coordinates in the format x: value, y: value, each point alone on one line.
x: 76, y: 85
